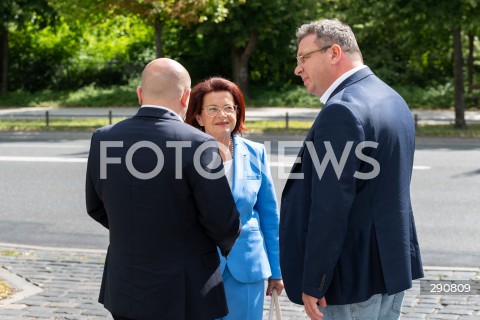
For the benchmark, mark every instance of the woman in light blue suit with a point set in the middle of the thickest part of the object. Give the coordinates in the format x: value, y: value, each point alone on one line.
x: 217, y: 106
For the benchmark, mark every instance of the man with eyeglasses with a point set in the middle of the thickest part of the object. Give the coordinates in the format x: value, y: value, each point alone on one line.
x: 348, y: 243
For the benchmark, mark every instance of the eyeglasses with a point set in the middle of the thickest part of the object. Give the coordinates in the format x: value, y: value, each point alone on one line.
x: 302, y: 58
x: 228, y: 109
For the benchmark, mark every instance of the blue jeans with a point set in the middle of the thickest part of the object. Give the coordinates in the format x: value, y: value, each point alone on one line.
x: 378, y: 307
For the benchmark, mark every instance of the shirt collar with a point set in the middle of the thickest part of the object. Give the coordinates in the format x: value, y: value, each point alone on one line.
x: 162, y: 107
x: 336, y: 83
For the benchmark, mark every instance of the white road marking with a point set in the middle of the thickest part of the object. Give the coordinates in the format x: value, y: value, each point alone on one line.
x: 45, y: 145
x: 83, y: 160
x: 42, y: 159
x: 290, y: 164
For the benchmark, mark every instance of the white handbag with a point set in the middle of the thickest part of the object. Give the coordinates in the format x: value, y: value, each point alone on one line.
x: 274, y: 305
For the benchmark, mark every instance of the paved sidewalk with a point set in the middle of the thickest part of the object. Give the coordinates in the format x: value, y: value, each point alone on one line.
x: 252, y: 113
x: 57, y: 284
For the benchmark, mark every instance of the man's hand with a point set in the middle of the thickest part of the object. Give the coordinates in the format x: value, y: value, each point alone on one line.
x: 311, y: 306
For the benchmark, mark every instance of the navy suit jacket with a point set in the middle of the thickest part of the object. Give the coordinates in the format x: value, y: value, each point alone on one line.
x: 165, y: 219
x: 346, y: 228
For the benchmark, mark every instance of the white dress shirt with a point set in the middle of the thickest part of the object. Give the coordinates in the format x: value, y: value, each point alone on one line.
x: 336, y: 83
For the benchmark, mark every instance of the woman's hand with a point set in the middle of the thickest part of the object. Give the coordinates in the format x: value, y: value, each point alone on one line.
x: 276, y: 284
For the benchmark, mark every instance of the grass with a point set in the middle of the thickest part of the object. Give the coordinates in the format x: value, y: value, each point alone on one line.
x: 473, y: 131
x: 5, y: 291
x: 279, y: 126
x: 288, y: 95
x: 264, y: 126
x: 10, y: 253
x: 55, y: 124
x: 90, y: 96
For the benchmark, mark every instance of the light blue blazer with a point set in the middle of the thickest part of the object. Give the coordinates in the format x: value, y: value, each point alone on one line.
x: 255, y: 255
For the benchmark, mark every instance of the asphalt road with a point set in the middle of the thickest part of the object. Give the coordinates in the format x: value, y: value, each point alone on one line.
x: 42, y: 193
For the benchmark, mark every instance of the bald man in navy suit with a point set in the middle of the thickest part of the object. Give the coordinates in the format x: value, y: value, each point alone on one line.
x: 151, y: 182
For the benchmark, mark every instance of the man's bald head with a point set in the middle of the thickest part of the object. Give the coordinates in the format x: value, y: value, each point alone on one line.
x: 164, y: 83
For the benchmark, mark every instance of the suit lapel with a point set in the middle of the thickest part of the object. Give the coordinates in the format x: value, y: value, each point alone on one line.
x: 240, y: 158
x: 357, y: 76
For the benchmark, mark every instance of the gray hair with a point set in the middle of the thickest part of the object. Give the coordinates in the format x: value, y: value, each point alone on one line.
x: 331, y: 32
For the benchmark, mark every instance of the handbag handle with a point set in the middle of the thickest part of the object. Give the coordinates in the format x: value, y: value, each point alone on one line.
x: 274, y: 304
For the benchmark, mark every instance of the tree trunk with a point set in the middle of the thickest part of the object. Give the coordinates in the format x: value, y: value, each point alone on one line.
x: 4, y: 58
x: 471, y: 39
x: 158, y: 37
x: 458, y: 79
x: 240, y: 60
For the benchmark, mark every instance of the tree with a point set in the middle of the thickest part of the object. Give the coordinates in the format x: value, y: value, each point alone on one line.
x: 252, y: 24
x: 426, y: 28
x: 154, y: 12
x: 15, y: 14
x: 466, y: 13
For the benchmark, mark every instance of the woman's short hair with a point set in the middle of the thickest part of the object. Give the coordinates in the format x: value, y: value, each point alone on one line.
x: 215, y: 84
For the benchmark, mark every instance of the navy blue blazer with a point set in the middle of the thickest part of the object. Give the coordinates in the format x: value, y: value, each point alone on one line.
x: 162, y: 261
x: 348, y: 233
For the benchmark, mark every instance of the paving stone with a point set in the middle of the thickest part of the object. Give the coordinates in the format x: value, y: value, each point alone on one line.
x: 95, y: 312
x: 42, y: 314
x: 11, y: 312
x: 457, y: 311
x: 443, y: 317
x: 68, y: 311
x: 421, y: 309
x: 71, y: 282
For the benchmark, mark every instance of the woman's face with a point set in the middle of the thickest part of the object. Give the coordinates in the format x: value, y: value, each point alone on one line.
x: 219, y: 115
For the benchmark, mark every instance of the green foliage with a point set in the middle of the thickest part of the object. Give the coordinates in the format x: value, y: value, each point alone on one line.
x: 96, y: 45
x: 15, y: 13
x: 89, y: 96
x: 396, y: 41
x: 72, y: 56
x: 288, y: 95
x: 184, y: 11
x: 438, y: 97
x: 38, y: 53
x: 207, y: 48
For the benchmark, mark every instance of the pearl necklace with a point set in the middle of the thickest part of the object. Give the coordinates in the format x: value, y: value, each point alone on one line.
x: 231, y: 146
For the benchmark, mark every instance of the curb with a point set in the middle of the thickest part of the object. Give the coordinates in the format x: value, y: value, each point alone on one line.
x: 23, y: 288
x: 46, y: 248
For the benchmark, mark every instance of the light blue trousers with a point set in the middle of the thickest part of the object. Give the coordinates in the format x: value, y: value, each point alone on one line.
x: 378, y: 307
x: 244, y: 300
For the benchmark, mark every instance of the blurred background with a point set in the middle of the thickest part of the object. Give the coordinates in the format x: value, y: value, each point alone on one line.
x: 91, y: 52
